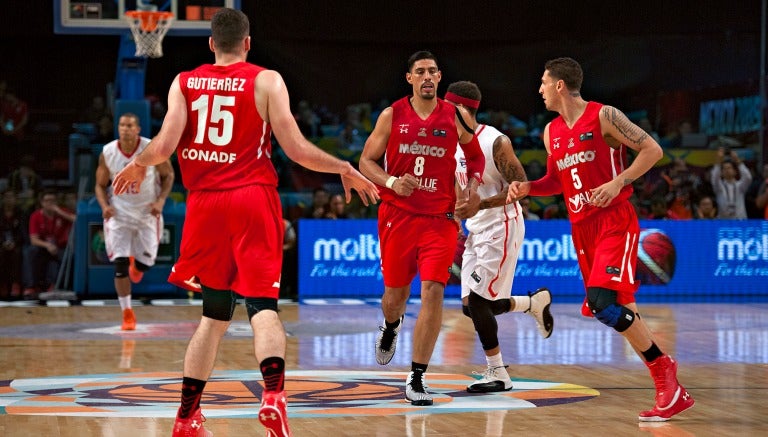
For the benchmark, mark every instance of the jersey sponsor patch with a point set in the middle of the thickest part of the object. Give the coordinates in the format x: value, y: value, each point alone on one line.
x: 586, y: 136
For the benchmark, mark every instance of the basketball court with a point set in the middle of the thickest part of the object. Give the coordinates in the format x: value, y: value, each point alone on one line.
x: 68, y: 370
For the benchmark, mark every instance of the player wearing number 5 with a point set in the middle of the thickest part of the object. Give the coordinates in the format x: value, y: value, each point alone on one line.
x: 587, y: 162
x: 221, y: 117
x: 417, y: 136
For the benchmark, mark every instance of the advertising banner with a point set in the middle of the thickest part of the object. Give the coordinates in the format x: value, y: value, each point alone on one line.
x: 687, y: 260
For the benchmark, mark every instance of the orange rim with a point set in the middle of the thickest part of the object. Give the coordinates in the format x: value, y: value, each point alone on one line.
x: 149, y: 19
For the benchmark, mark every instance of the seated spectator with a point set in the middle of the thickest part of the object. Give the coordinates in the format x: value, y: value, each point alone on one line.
x: 288, y: 282
x: 307, y: 120
x: 350, y: 138
x: 645, y: 124
x: 94, y: 112
x: 26, y: 183
x: 48, y: 235
x: 319, y: 207
x: 14, y: 116
x: 674, y: 138
x: 525, y: 204
x: 12, y: 230
x: 336, y: 207
x: 730, y: 181
x: 659, y: 209
x: 706, y: 208
x: 681, y: 204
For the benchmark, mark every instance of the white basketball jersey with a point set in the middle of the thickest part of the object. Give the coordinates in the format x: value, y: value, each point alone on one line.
x: 131, y: 203
x: 493, y: 182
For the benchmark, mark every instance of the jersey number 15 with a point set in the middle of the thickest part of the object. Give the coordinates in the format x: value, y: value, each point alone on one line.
x: 220, y: 134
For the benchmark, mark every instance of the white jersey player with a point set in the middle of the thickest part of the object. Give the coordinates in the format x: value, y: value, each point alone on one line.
x: 495, y: 237
x: 133, y: 222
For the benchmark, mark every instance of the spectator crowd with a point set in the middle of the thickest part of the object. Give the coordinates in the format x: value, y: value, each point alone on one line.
x: 36, y: 221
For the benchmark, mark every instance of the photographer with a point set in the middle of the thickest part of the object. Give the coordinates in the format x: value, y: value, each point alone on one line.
x: 730, y: 190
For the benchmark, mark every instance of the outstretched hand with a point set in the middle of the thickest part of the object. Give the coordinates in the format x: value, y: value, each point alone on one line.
x: 517, y: 190
x: 367, y: 190
x: 129, y: 179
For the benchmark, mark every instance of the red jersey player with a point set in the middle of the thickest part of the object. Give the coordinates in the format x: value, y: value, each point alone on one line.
x: 587, y: 163
x: 221, y: 117
x: 417, y: 136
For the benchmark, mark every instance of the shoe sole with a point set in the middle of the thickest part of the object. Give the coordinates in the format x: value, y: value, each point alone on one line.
x: 274, y: 426
x: 420, y: 402
x: 664, y: 419
x: 494, y: 389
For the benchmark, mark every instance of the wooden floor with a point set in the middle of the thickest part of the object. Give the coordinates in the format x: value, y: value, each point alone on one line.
x: 722, y: 350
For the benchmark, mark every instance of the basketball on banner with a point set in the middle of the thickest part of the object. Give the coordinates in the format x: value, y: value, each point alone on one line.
x: 656, y: 258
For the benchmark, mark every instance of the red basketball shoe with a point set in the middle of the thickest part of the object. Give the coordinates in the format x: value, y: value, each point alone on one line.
x: 681, y: 402
x: 129, y: 320
x: 273, y: 414
x: 134, y: 273
x: 191, y: 426
x: 671, y: 397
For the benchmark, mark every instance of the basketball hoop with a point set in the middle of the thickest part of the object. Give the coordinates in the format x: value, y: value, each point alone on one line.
x: 148, y: 29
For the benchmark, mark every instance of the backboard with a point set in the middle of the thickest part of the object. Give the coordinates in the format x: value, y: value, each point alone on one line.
x: 107, y: 17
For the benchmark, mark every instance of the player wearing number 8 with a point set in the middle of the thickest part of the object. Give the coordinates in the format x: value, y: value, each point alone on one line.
x: 221, y: 118
x: 417, y: 136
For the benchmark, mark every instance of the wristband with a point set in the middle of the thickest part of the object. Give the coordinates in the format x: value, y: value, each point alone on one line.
x: 391, y: 182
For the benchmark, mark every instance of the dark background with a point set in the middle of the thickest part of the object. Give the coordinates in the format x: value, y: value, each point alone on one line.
x: 343, y: 52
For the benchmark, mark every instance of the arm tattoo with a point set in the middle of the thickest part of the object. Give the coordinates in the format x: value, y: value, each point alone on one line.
x: 624, y: 126
x: 512, y: 170
x: 628, y: 181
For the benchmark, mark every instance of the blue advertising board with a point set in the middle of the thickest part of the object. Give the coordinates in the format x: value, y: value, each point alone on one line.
x: 692, y: 260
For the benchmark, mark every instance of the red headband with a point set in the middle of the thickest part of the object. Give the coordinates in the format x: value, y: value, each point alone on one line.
x: 472, y: 103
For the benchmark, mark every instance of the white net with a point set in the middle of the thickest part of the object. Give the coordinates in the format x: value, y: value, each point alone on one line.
x: 148, y: 29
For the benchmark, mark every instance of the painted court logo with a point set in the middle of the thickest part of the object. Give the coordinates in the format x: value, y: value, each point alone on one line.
x: 238, y: 394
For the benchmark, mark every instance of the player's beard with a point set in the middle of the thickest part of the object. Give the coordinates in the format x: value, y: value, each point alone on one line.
x: 428, y: 95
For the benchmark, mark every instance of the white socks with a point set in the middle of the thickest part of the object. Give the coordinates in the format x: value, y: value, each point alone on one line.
x: 125, y: 302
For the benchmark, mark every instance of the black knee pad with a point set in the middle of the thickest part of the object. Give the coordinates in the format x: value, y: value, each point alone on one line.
x: 602, y: 303
x: 484, y: 320
x: 121, y: 267
x: 218, y: 304
x: 255, y: 304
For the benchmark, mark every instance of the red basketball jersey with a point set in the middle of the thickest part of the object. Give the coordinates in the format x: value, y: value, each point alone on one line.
x: 226, y: 143
x: 425, y: 149
x: 584, y: 161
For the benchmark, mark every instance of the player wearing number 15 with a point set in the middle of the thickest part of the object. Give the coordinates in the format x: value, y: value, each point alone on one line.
x: 221, y: 117
x: 587, y: 162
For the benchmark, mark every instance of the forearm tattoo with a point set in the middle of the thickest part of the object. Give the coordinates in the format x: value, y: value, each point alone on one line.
x: 624, y: 126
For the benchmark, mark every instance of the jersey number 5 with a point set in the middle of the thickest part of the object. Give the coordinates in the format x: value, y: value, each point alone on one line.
x: 221, y: 134
x: 576, y: 179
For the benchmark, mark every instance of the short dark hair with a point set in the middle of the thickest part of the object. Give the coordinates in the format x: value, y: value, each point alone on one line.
x: 418, y: 56
x: 466, y: 89
x: 567, y: 70
x: 228, y: 28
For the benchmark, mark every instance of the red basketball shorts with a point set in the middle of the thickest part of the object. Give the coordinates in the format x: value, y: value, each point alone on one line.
x: 232, y: 240
x: 412, y: 242
x: 606, y: 246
